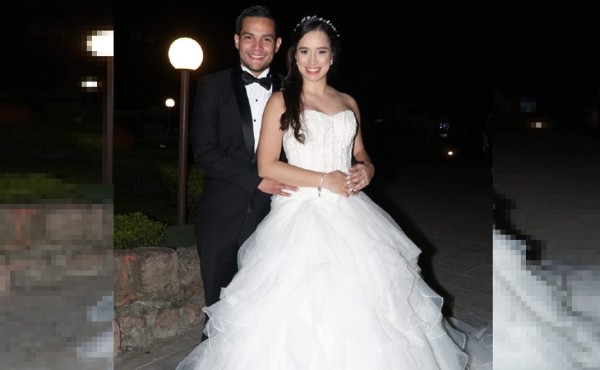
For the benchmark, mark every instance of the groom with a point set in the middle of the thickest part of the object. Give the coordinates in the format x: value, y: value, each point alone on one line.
x: 226, y: 119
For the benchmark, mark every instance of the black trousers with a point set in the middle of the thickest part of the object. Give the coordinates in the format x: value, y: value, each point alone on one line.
x: 218, y: 258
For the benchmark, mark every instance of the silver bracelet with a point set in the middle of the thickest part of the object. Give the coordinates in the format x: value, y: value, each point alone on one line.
x: 321, y: 183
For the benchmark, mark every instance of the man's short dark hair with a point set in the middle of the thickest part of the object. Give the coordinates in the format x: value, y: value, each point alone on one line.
x: 254, y: 11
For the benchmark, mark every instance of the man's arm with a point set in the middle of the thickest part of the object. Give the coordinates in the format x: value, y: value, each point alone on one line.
x: 208, y: 151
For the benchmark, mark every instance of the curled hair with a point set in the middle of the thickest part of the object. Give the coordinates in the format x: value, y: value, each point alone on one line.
x: 292, y: 84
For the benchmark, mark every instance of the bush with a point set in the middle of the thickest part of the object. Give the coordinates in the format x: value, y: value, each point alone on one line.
x: 170, y: 174
x: 48, y: 141
x: 34, y: 187
x: 137, y: 230
x: 156, y: 207
x: 158, y: 179
x: 147, y: 154
x: 136, y: 176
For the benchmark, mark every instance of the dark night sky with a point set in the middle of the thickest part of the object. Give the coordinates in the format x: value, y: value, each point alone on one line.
x: 384, y: 54
x: 42, y: 45
x: 410, y: 54
x: 415, y: 53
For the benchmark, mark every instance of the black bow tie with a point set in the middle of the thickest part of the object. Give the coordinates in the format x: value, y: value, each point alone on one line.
x: 248, y: 78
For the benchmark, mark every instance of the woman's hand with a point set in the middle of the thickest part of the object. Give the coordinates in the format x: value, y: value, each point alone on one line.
x: 360, y: 175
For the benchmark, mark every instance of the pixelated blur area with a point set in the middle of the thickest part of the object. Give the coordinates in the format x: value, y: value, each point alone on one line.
x: 546, y: 239
x: 545, y: 314
x: 56, y: 289
x: 55, y: 103
x: 56, y: 212
x: 547, y: 180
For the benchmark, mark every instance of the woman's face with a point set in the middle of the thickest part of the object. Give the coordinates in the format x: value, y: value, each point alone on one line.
x: 314, y: 56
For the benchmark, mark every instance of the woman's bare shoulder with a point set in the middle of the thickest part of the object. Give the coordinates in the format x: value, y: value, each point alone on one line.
x: 276, y: 101
x: 350, y: 102
x: 277, y: 96
x: 344, y: 99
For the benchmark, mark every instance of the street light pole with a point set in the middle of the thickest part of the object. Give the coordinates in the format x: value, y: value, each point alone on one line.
x: 107, y: 146
x: 183, y: 140
x: 186, y: 55
x: 101, y: 44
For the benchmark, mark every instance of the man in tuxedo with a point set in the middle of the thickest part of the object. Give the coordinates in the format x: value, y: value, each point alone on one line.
x: 226, y: 119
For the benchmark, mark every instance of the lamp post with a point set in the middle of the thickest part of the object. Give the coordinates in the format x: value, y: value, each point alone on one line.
x: 169, y: 103
x: 186, y: 55
x: 101, y: 44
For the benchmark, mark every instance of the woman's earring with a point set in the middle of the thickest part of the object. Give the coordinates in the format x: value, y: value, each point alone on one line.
x: 331, y: 63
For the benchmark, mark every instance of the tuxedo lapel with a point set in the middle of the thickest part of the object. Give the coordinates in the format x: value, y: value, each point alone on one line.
x: 244, y: 107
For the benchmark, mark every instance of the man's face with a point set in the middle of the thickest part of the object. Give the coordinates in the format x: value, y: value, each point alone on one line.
x: 257, y: 43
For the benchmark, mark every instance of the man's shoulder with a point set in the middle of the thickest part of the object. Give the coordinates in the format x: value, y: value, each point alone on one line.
x: 217, y: 77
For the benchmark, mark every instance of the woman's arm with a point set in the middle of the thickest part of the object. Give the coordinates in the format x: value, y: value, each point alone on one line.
x: 361, y: 173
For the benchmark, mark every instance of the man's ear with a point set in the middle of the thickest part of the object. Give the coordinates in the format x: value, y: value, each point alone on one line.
x: 277, y: 44
x: 236, y: 41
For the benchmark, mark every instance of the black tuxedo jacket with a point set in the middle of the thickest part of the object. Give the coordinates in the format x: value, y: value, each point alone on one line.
x: 222, y: 142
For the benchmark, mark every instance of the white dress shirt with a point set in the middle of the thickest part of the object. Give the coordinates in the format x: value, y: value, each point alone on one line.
x: 257, y: 96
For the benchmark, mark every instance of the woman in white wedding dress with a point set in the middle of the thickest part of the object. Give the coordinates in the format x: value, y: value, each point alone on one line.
x: 328, y: 280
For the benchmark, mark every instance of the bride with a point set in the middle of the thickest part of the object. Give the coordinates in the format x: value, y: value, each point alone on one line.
x: 328, y: 280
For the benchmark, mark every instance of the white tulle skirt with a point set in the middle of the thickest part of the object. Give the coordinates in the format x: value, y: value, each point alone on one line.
x: 325, y: 283
x: 546, y: 319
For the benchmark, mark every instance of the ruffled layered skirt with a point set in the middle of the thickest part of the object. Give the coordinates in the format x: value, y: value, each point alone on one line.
x: 328, y: 283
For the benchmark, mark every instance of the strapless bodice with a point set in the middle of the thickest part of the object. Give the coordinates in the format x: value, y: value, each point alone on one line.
x: 328, y: 141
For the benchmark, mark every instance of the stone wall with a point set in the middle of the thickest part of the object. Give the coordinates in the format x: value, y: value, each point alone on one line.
x: 65, y: 251
x: 25, y: 225
x: 56, y: 266
x: 158, y: 294
x: 45, y: 244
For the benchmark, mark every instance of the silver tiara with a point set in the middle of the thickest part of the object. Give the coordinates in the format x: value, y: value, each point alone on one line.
x: 309, y: 17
